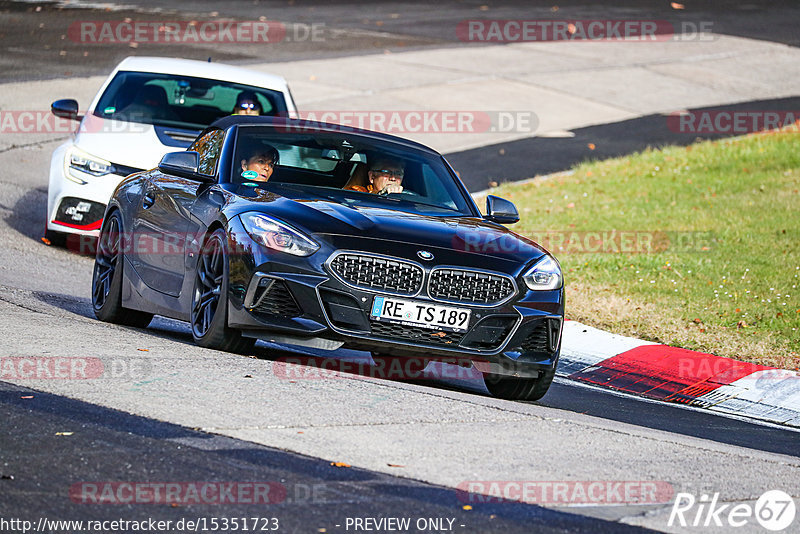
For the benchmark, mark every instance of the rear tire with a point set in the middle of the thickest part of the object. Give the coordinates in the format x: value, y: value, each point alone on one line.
x: 514, y: 388
x: 209, y: 311
x: 107, y: 278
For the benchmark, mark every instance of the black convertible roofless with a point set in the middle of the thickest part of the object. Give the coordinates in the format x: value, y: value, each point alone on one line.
x: 272, y: 229
x: 289, y: 124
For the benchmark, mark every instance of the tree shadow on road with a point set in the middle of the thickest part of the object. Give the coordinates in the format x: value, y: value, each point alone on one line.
x: 29, y: 217
x: 29, y: 213
x: 298, y: 363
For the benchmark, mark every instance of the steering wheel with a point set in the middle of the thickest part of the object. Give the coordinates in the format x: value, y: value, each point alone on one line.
x: 406, y: 192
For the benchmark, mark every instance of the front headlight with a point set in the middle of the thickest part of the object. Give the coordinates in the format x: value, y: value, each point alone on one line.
x: 544, y: 275
x: 277, y: 235
x: 86, y: 163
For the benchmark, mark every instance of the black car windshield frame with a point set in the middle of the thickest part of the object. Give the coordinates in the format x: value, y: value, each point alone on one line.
x: 351, y: 163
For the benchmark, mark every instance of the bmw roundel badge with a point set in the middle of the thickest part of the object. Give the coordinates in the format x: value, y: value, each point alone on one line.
x: 425, y: 255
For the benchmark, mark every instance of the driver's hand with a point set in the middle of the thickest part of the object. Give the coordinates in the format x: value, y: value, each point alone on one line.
x: 391, y: 188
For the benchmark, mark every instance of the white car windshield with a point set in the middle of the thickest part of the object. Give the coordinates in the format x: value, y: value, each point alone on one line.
x: 181, y: 101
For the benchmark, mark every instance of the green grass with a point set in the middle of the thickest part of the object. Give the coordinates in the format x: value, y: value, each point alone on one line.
x: 731, y: 284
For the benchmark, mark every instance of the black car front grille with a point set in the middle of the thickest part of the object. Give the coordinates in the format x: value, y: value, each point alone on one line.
x: 377, y: 273
x: 416, y: 334
x: 278, y: 301
x: 470, y: 287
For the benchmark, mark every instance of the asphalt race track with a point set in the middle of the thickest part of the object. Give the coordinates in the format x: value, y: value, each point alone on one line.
x: 336, y: 451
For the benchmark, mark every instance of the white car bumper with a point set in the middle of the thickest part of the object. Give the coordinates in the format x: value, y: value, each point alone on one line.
x: 73, y: 207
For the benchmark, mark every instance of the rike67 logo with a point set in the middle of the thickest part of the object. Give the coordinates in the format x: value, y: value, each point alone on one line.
x: 774, y: 510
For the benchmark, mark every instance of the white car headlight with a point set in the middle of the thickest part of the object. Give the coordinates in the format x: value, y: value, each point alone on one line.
x: 277, y: 235
x: 544, y: 275
x: 86, y: 163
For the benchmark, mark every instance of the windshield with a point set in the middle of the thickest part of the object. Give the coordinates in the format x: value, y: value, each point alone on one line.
x: 180, y: 101
x: 350, y: 169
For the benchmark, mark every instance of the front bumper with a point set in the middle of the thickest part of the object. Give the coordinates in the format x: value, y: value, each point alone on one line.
x: 296, y: 300
x: 78, y: 208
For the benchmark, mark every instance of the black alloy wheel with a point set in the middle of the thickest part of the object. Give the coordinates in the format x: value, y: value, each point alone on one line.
x: 107, y: 278
x: 209, y: 312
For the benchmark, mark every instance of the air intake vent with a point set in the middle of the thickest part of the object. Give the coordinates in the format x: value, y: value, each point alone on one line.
x: 277, y: 301
x: 544, y: 337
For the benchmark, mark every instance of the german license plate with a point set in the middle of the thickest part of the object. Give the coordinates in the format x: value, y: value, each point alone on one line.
x: 416, y: 313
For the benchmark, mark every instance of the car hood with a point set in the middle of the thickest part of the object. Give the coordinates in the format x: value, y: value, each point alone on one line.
x: 128, y: 143
x: 345, y: 225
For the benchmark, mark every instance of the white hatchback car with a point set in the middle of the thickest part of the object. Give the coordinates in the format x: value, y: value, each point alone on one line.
x: 147, y: 107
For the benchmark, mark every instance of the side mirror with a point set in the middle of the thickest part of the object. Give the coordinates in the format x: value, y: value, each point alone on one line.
x: 183, y: 164
x: 66, y: 109
x: 500, y: 210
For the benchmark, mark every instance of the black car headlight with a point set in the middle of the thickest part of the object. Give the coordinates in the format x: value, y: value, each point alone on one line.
x: 277, y: 235
x: 544, y: 275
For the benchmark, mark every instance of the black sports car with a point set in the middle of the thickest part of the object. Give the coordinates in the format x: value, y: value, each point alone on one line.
x: 357, y: 239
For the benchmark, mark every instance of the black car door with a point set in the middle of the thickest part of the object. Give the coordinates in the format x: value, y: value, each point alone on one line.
x: 164, y: 224
x: 160, y: 231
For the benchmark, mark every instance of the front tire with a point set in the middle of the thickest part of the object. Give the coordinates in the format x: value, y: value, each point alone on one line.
x: 107, y: 278
x: 209, y: 312
x: 514, y: 388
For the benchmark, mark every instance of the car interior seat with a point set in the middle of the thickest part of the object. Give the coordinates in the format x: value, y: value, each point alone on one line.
x: 360, y: 176
x: 151, y: 101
